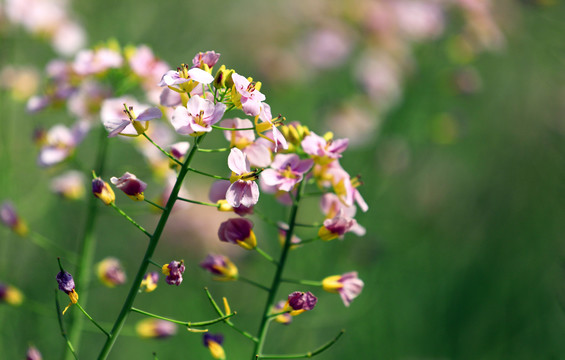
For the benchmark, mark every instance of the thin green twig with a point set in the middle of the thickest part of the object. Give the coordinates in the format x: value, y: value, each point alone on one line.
x: 209, y: 175
x: 121, y: 212
x: 152, y: 203
x: 188, y: 324
x: 198, y: 202
x: 92, y: 320
x: 254, y: 283
x: 167, y: 154
x: 266, y: 256
x: 304, y: 355
x: 62, y: 326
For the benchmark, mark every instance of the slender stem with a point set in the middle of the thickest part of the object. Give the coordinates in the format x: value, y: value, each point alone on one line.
x: 154, y: 263
x: 309, y: 225
x: 214, y: 150
x: 121, y: 212
x: 265, y: 218
x: 266, y: 256
x: 148, y: 254
x: 62, y: 326
x: 227, y: 321
x: 278, y: 275
x: 256, y: 284
x: 209, y: 175
x: 306, y: 241
x: 185, y: 323
x: 304, y: 355
x: 167, y: 154
x: 152, y: 203
x: 232, y: 129
x: 49, y: 245
x: 302, y: 282
x: 88, y: 244
x: 91, y: 319
x: 198, y: 202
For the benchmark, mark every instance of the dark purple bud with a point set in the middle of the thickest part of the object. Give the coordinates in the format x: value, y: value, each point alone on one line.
x: 174, y: 271
x: 3, y: 292
x: 302, y: 300
x: 66, y: 282
x: 217, y: 338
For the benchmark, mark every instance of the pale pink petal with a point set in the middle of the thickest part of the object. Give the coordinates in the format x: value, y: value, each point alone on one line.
x: 119, y: 128
x: 180, y: 121
x: 200, y: 76
x: 258, y: 155
x: 150, y: 114
x: 237, y: 162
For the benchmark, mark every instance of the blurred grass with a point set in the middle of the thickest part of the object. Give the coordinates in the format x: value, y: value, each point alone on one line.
x: 463, y: 254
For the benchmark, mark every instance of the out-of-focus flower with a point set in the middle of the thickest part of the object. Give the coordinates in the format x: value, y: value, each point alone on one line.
x: 337, y: 226
x: 134, y: 125
x: 327, y: 47
x: 67, y: 285
x: 238, y: 231
x: 179, y: 150
x: 294, y: 133
x: 221, y: 266
x: 243, y: 190
x: 270, y: 123
x: 69, y: 185
x: 33, y: 354
x: 60, y: 143
x: 10, y: 218
x: 197, y: 117
x: 214, y: 343
x: 283, y: 229
x: 103, y: 191
x: 345, y: 187
x: 284, y: 318
x: 323, y: 150
x: 85, y: 102
x: 301, y: 301
x: 110, y: 272
x: 286, y: 171
x: 149, y: 282
x: 10, y: 295
x: 155, y: 328
x: 246, y: 95
x: 347, y: 285
x: 21, y: 81
x: 174, y: 271
x: 89, y: 62
x: 130, y: 185
x: 257, y: 152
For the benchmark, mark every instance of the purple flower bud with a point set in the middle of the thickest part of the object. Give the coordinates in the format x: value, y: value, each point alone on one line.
x: 238, y: 231
x: 130, y: 185
x: 302, y: 300
x: 155, y: 328
x: 218, y: 338
x: 66, y: 282
x: 10, y: 218
x: 174, y: 271
x: 220, y: 265
x: 149, y: 282
x: 110, y: 272
x: 214, y: 343
x: 33, y: 354
x: 103, y: 191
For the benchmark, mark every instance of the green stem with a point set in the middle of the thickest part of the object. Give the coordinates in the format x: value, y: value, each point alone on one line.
x: 256, y: 284
x: 185, y: 323
x: 167, y: 154
x: 214, y: 150
x: 304, y: 355
x: 227, y: 321
x: 266, y: 256
x: 198, y: 202
x: 156, y: 264
x: 119, y: 323
x: 232, y: 129
x: 87, y: 245
x: 308, y: 240
x: 91, y: 319
x: 121, y: 212
x: 152, y: 203
x: 278, y: 275
x: 265, y: 218
x: 62, y: 326
x: 315, y: 225
x: 303, y: 282
x: 209, y: 175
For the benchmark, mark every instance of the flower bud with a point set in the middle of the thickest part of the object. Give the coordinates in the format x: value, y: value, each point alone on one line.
x: 301, y: 301
x: 103, y: 191
x: 336, y: 227
x: 214, y: 343
x: 110, y: 272
x: 130, y: 185
x: 238, y: 231
x: 10, y: 218
x: 155, y: 328
x: 347, y: 285
x: 149, y: 282
x: 10, y: 295
x: 221, y: 266
x: 285, y: 318
x: 174, y: 271
x: 33, y: 354
x: 223, y: 78
x: 67, y: 285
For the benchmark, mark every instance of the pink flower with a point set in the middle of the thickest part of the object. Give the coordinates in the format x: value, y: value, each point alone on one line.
x: 130, y: 185
x: 348, y: 285
x: 251, y: 98
x: 88, y: 62
x: 217, y: 194
x: 238, y: 231
x: 337, y: 226
x: 197, y: 117
x: 60, y: 143
x: 209, y: 58
x: 346, y: 187
x: 286, y: 171
x: 258, y: 151
x: 186, y: 78
x: 243, y: 190
x: 323, y: 151
x: 119, y: 118
x: 275, y: 136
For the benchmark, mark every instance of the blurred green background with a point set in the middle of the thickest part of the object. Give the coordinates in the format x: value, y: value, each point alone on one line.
x: 463, y: 257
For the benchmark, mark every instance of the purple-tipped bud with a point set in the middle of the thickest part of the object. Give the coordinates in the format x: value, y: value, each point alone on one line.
x: 221, y: 266
x: 103, y: 191
x: 33, y: 354
x: 302, y: 300
x: 238, y: 231
x: 130, y: 185
x: 10, y: 295
x: 174, y: 271
x: 149, y: 282
x: 66, y: 282
x: 10, y: 218
x: 110, y: 272
x: 214, y: 343
x: 155, y: 328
